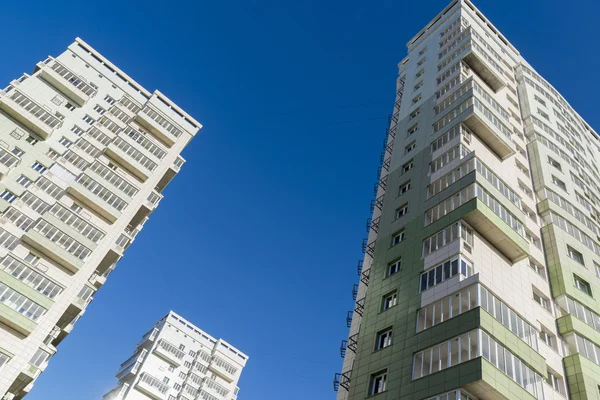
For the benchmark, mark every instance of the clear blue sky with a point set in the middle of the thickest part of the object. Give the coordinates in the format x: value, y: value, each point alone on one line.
x: 272, y: 203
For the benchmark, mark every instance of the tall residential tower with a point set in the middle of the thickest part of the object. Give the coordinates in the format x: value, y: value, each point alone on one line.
x: 176, y: 360
x: 85, y: 153
x: 481, y: 278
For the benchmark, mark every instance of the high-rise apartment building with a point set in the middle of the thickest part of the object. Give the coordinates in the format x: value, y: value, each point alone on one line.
x: 481, y: 278
x: 85, y: 153
x: 176, y: 360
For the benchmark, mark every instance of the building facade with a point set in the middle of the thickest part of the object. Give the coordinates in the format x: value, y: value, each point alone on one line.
x: 85, y: 153
x: 176, y: 360
x: 481, y: 275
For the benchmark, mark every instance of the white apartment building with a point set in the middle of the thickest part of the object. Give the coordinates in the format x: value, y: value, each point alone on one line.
x: 176, y: 360
x: 85, y: 153
x: 481, y: 274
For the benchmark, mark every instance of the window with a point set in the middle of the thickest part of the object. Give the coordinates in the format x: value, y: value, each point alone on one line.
x: 165, y: 380
x: 181, y: 347
x: 389, y: 300
x: 397, y: 238
x: 182, y: 375
x: 540, y: 270
x: 171, y: 368
x: 542, y: 301
x: 378, y: 383
x: 31, y: 140
x: 420, y: 73
x: 416, y: 99
x: 597, y: 269
x: 109, y: 99
x: 384, y: 339
x: 543, y: 114
x: 414, y: 114
x: 3, y: 359
x: 554, y: 163
x: 39, y: 358
x: 70, y: 107
x: 423, y: 50
x: 75, y: 207
x: 445, y: 271
x: 401, y: 211
x: 65, y: 142
x: 548, y: 337
x: 52, y: 154
x: 394, y: 267
x: 177, y: 386
x: 8, y: 196
x: 582, y: 285
x: 410, y: 147
x: 77, y: 130
x: 539, y: 100
x: 421, y: 61
x: 187, y: 364
x: 17, y: 152
x: 559, y: 183
x: 32, y: 259
x: 59, y: 116
x: 413, y: 129
x: 575, y: 255
x: 58, y: 100
x: 405, y: 187
x: 88, y: 119
x: 38, y: 167
x: 99, y: 109
x: 24, y: 181
x: 555, y: 381
x: 408, y: 166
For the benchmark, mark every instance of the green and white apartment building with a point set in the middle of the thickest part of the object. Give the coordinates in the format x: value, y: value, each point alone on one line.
x: 481, y: 275
x: 176, y: 360
x: 85, y: 153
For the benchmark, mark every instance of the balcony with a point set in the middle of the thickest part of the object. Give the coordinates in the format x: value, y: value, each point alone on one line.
x: 42, y: 243
x: 66, y: 81
x: 489, y: 129
x: 131, y: 367
x: 152, y: 387
x: 29, y: 113
x: 128, y: 156
x: 224, y: 369
x: 213, y: 387
x: 153, y: 120
x: 500, y: 235
x: 169, y: 353
x: 477, y: 59
x: 117, y: 393
x: 7, y: 161
x: 105, y: 203
x: 97, y: 280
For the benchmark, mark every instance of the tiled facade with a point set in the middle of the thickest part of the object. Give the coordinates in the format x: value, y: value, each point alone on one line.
x: 85, y: 153
x: 481, y: 275
x: 175, y: 360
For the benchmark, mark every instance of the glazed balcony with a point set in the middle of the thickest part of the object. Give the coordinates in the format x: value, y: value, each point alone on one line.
x: 128, y: 156
x: 66, y: 81
x: 159, y: 125
x: 151, y: 386
x: 103, y: 201
x: 169, y: 353
x: 224, y: 369
x: 29, y: 113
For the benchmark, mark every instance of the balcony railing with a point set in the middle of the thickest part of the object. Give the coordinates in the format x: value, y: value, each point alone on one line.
x: 216, y: 387
x: 170, y: 350
x: 73, y: 79
x: 162, y: 121
x: 153, y: 386
x: 23, y: 108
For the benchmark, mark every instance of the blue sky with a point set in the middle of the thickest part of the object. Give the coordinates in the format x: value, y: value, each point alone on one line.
x: 270, y: 209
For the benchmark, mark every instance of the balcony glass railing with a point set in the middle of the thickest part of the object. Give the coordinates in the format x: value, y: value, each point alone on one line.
x: 106, y: 195
x: 218, y: 388
x: 114, y: 179
x: 219, y: 362
x: 7, y: 158
x: 76, y: 222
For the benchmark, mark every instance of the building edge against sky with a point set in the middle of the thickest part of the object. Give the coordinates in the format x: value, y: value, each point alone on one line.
x: 177, y: 360
x: 85, y: 153
x: 481, y: 275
